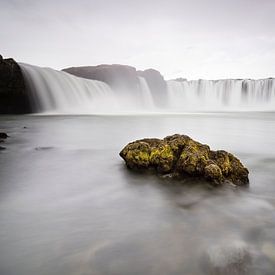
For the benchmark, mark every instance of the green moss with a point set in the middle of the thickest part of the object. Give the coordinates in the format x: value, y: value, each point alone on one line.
x: 162, y: 158
x: 136, y: 155
x: 141, y: 156
x: 161, y: 152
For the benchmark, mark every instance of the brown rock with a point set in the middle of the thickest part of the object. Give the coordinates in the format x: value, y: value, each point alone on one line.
x: 181, y: 156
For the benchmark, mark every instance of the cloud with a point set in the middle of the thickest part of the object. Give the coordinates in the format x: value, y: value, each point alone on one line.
x: 201, y: 39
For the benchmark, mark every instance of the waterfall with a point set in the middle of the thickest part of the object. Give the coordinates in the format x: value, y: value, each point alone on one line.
x: 222, y: 95
x: 59, y: 92
x: 54, y: 92
x: 146, y: 94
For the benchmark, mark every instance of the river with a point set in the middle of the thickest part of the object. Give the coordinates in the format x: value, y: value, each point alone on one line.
x: 68, y: 204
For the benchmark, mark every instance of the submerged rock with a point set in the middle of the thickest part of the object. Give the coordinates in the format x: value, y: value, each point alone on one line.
x: 43, y: 148
x: 3, y: 136
x: 182, y: 157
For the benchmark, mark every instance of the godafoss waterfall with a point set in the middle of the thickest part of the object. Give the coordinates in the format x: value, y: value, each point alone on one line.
x: 54, y: 91
x: 69, y: 205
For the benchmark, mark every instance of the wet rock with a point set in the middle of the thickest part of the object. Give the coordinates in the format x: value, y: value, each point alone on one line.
x: 213, y: 172
x: 179, y: 156
x: 232, y: 258
x: 13, y: 94
x: 41, y: 148
x: 3, y: 136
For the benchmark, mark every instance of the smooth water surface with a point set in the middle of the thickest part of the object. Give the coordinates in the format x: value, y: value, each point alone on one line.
x: 68, y: 205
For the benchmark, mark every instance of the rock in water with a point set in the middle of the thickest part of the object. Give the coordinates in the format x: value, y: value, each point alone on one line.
x: 182, y: 157
x: 3, y: 135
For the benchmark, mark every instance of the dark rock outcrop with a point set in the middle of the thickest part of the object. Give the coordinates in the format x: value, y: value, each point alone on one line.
x: 121, y: 78
x: 3, y: 136
x: 157, y: 85
x: 13, y: 94
x: 182, y: 157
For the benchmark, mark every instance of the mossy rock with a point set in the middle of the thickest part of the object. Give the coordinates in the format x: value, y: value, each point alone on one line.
x: 181, y: 157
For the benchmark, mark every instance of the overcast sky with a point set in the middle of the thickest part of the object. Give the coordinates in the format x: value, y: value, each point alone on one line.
x: 193, y: 39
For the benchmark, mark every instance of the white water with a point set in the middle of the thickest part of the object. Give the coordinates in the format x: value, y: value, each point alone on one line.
x: 220, y: 95
x: 147, y: 98
x: 59, y: 92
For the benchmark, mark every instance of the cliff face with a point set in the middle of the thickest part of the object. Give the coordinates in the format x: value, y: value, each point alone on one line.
x: 121, y: 78
x: 13, y: 94
x: 157, y: 85
x: 125, y: 78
